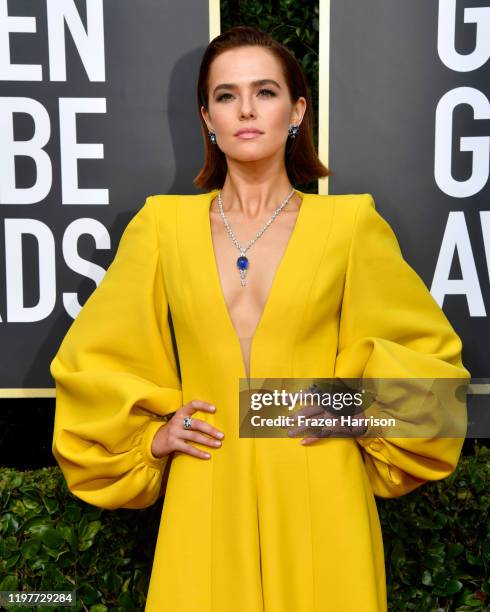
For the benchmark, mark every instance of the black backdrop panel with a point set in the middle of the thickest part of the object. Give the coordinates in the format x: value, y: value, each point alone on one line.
x: 398, y: 120
x: 105, y: 100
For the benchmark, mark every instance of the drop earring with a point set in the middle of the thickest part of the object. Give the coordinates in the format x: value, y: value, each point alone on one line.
x: 293, y: 131
x: 212, y: 137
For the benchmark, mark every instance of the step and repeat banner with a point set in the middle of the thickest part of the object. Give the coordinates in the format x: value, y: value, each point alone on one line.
x: 97, y: 111
x: 409, y: 121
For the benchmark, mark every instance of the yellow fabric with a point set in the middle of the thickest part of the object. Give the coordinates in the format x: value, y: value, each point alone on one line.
x: 264, y: 525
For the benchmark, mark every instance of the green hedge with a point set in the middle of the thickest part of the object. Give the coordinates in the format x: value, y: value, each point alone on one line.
x: 50, y: 540
x: 436, y: 539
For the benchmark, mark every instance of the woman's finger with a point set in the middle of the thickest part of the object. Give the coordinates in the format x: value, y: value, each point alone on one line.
x: 184, y: 447
x: 200, y: 425
x: 306, y: 441
x: 187, y: 434
x: 195, y: 405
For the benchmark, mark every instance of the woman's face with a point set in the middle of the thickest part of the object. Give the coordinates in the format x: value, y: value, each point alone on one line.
x: 236, y: 101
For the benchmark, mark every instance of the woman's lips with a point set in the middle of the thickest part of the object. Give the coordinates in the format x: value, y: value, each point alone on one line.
x: 249, y: 135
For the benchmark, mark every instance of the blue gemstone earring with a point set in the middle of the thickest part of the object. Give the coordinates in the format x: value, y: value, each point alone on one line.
x: 212, y: 137
x: 293, y: 130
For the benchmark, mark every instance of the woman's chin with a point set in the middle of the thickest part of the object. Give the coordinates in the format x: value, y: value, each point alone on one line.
x: 249, y: 156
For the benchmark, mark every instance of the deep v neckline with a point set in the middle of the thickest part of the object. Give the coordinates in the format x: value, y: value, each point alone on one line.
x: 280, y: 273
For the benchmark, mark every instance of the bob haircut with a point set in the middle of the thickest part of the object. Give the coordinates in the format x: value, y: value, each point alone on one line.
x: 302, y: 162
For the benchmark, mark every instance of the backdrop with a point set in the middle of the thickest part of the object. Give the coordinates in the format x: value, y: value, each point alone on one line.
x: 405, y: 115
x: 97, y: 111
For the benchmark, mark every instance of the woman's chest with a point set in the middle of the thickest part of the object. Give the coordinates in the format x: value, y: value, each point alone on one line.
x: 246, y: 294
x: 294, y: 283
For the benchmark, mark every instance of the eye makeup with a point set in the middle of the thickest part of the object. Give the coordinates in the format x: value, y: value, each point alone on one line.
x: 269, y: 92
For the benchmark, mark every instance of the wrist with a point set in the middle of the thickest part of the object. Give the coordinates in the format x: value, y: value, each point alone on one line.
x: 158, y: 446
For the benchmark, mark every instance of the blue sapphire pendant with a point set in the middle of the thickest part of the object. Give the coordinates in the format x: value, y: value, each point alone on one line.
x: 242, y: 265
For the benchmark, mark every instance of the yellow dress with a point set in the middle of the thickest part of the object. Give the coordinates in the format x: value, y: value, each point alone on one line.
x: 266, y: 524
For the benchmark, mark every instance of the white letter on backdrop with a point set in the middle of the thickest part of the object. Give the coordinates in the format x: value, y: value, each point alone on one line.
x: 89, y: 43
x: 71, y: 151
x: 479, y: 146
x: 16, y: 311
x: 485, y: 226
x: 456, y: 238
x: 76, y: 263
x: 33, y: 148
x: 463, y: 62
x: 15, y: 72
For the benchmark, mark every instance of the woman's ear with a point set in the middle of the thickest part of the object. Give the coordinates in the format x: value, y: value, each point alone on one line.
x: 299, y: 110
x: 205, y: 116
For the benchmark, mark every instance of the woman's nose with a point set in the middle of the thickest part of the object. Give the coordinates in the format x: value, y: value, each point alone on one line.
x: 246, y: 108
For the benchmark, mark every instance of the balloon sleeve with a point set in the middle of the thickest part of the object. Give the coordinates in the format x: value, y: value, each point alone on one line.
x: 116, y: 378
x: 392, y: 328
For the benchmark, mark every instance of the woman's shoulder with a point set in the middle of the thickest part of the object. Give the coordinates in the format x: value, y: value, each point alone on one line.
x: 167, y: 207
x: 165, y: 203
x: 169, y: 199
x: 345, y: 208
x: 353, y: 200
x: 162, y: 215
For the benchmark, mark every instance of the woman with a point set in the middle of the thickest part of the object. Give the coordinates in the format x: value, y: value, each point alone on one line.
x: 250, y: 524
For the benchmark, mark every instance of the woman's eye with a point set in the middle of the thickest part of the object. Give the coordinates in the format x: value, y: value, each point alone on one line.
x: 267, y: 92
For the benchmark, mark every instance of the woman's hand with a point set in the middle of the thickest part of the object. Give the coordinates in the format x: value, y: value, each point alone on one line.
x: 335, y: 430
x: 173, y: 436
x: 331, y: 429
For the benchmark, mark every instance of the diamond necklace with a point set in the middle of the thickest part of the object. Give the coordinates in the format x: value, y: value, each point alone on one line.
x: 242, y: 262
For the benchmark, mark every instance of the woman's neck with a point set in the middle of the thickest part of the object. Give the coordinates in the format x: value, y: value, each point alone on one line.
x: 257, y: 199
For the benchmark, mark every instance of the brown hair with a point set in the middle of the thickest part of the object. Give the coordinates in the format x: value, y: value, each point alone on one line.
x: 302, y: 162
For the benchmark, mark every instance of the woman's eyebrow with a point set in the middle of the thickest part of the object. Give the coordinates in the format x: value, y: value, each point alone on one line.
x: 253, y: 83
